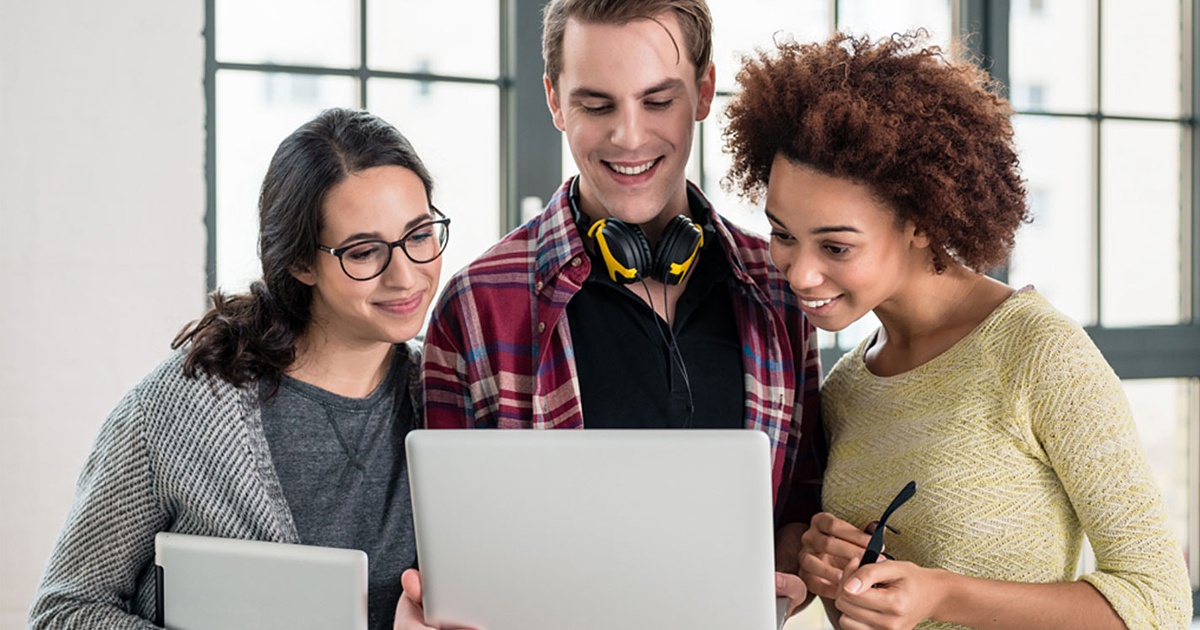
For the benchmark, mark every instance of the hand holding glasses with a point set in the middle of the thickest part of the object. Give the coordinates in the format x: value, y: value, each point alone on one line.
x: 875, y: 547
x: 365, y: 260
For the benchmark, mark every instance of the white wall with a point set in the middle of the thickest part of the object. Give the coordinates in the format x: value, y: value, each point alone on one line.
x: 101, y: 239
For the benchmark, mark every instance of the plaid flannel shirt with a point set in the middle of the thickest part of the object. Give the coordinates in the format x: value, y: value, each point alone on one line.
x: 498, y: 351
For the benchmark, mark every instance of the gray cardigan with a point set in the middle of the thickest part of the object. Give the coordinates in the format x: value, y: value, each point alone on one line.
x: 176, y: 455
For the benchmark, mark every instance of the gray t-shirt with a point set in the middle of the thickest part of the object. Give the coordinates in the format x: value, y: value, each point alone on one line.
x: 341, y: 463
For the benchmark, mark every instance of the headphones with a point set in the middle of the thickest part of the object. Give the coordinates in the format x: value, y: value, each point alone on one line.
x: 627, y: 254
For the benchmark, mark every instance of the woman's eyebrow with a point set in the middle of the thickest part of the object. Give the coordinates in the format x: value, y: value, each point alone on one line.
x: 825, y: 229
x: 376, y: 236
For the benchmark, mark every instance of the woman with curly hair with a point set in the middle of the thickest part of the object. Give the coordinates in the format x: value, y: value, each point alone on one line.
x: 892, y: 185
x: 283, y: 412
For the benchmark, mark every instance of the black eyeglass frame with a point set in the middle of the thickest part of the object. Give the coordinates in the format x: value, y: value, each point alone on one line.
x: 875, y: 546
x: 391, y: 245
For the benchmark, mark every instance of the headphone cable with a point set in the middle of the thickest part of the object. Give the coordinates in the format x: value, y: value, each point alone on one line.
x: 672, y: 348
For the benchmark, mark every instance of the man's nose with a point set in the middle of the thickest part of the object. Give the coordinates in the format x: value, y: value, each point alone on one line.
x: 630, y: 130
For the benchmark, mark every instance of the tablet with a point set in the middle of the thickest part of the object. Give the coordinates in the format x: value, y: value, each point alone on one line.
x: 594, y: 529
x: 207, y: 583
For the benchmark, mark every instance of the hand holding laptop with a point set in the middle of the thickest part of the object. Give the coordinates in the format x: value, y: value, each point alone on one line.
x: 410, y: 612
x: 790, y: 592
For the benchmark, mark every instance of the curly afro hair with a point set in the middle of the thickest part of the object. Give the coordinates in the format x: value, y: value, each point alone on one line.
x: 924, y: 133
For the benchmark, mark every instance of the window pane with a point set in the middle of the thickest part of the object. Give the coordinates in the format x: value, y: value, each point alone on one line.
x: 730, y: 204
x: 455, y: 129
x: 295, y: 32
x: 880, y: 18
x: 1163, y: 410
x: 255, y: 112
x: 849, y: 337
x: 1052, y: 52
x: 1140, y: 65
x: 743, y: 25
x: 1141, y: 216
x: 568, y: 161
x: 1055, y: 252
x: 423, y: 36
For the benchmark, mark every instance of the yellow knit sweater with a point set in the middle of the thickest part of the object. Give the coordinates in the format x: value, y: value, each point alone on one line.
x: 1021, y: 441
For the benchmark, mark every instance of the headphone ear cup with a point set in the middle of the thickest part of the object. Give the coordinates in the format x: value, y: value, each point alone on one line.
x: 676, y: 251
x: 624, y: 249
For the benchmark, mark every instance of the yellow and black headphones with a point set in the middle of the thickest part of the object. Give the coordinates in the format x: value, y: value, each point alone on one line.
x: 627, y: 254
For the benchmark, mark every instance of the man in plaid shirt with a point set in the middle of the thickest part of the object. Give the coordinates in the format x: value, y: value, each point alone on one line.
x: 559, y: 317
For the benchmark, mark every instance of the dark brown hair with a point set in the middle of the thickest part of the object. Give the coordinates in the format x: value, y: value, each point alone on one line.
x: 695, y: 23
x: 922, y: 131
x: 252, y: 336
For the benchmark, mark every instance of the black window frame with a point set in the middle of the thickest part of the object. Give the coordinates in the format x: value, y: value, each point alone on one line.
x: 530, y: 149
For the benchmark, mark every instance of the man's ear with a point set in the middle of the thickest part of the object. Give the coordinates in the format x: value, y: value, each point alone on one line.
x: 304, y: 274
x: 556, y: 111
x: 708, y: 91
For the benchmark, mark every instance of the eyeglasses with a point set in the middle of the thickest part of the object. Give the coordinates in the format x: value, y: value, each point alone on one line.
x: 875, y: 547
x: 365, y: 260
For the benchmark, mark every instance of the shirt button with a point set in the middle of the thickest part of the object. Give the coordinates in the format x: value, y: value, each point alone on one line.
x: 541, y: 327
x: 575, y: 262
x: 538, y: 286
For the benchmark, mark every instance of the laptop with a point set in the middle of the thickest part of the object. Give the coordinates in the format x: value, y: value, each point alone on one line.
x: 207, y: 583
x: 595, y: 530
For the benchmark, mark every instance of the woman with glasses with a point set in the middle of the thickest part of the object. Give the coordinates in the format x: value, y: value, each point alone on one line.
x: 282, y: 414
x: 891, y: 185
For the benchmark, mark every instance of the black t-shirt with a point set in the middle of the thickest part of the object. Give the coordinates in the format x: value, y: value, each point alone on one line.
x: 630, y: 375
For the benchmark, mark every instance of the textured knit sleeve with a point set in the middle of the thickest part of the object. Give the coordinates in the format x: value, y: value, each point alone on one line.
x: 107, y: 542
x: 1083, y: 422
x: 447, y: 393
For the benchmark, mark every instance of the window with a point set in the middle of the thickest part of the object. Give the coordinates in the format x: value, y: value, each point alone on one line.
x: 274, y: 64
x: 1109, y: 153
x: 1028, y: 97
